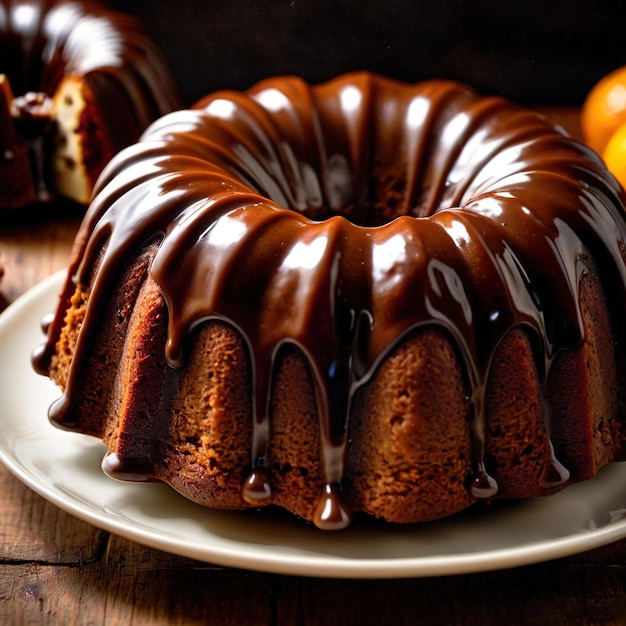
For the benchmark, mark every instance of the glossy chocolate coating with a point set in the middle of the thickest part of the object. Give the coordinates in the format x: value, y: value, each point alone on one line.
x: 339, y: 218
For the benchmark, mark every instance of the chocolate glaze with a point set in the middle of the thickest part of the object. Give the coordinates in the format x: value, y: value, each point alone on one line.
x: 349, y: 214
x: 43, y: 42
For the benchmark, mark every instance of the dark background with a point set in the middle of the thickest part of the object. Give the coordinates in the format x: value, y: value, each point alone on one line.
x: 535, y: 52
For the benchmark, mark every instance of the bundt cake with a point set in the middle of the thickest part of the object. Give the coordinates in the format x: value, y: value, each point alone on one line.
x: 358, y: 297
x: 88, y: 81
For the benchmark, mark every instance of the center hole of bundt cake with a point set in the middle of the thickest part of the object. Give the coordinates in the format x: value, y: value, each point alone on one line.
x: 381, y: 201
x: 369, y: 194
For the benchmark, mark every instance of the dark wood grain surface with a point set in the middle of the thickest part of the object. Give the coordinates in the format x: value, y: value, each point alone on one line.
x: 55, y: 569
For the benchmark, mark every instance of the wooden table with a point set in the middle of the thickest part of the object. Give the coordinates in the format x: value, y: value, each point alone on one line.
x: 55, y: 569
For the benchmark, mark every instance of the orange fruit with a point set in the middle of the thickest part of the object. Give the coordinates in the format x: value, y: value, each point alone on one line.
x: 604, y: 109
x: 614, y: 154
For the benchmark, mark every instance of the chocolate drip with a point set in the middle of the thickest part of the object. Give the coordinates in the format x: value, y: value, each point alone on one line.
x: 482, y: 485
x: 133, y: 470
x: 257, y: 488
x: 462, y: 212
x: 555, y: 473
x: 330, y: 513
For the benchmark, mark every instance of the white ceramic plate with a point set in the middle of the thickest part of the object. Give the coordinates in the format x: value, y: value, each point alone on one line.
x: 65, y: 468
